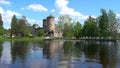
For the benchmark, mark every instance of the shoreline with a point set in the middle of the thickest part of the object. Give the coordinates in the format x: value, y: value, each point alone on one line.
x: 42, y: 38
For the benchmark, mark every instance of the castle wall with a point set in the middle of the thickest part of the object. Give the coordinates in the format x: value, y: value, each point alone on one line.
x: 58, y: 34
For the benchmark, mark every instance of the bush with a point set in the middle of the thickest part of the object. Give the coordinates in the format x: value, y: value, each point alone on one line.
x: 41, y: 32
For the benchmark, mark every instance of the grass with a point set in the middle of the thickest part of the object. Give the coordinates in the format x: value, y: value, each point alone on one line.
x: 2, y: 38
x: 20, y: 39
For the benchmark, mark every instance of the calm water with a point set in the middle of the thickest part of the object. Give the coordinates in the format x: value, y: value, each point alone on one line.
x: 59, y: 54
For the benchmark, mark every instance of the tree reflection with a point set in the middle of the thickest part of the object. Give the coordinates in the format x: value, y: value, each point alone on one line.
x: 35, y: 45
x: 104, y: 53
x: 1, y: 48
x: 42, y: 42
x: 67, y: 48
x: 108, y: 54
x: 78, y: 49
x: 91, y: 50
x: 19, y: 51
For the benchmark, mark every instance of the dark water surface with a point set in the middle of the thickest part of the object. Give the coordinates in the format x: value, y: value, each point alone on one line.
x: 59, y: 54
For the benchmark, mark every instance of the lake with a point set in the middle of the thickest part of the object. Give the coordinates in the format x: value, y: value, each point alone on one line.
x: 59, y: 54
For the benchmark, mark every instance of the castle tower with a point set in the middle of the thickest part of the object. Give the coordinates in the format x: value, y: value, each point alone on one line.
x: 45, y: 25
x: 50, y: 22
x: 49, y: 26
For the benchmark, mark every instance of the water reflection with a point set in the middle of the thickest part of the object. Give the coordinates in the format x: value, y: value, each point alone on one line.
x: 108, y: 55
x: 51, y: 47
x: 19, y: 51
x: 59, y: 54
x: 34, y: 58
x: 6, y: 53
x: 102, y: 54
x: 1, y: 48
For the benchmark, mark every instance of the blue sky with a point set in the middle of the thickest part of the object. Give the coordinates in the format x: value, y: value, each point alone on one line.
x: 37, y: 10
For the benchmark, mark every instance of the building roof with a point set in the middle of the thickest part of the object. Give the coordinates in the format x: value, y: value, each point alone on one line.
x: 44, y: 20
x: 35, y: 24
x: 50, y: 16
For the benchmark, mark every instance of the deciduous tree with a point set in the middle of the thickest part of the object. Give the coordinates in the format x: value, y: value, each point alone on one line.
x: 90, y: 28
x: 103, y: 24
x: 66, y: 25
x: 77, y: 29
x: 41, y: 32
x: 113, y: 24
x: 1, y: 25
x: 14, y: 25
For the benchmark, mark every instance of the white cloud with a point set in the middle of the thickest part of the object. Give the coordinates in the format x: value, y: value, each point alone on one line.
x: 62, y: 5
x: 94, y: 16
x: 22, y: 8
x: 6, y: 16
x: 4, y: 2
x: 1, y: 10
x: 52, y: 10
x: 36, y: 7
x: 33, y: 21
x: 117, y: 15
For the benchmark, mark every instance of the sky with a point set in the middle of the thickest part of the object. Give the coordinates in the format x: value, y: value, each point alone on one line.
x: 36, y: 10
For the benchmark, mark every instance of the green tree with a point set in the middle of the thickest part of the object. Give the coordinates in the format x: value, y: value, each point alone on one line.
x: 68, y: 30
x: 77, y: 29
x: 103, y: 24
x: 1, y: 26
x: 14, y: 25
x: 65, y: 24
x: 90, y: 28
x: 41, y: 32
x: 28, y: 28
x: 21, y: 27
x: 62, y: 20
x: 113, y: 24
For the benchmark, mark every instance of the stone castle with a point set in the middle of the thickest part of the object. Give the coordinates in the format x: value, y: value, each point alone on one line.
x: 50, y: 28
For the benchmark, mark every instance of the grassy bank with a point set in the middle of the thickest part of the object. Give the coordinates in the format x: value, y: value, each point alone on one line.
x: 21, y: 39
x: 39, y: 38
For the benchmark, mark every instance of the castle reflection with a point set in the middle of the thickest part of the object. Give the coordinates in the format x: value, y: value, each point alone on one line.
x: 51, y: 48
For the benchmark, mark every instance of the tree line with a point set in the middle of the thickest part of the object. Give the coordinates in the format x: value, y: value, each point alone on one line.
x: 18, y: 27
x: 104, y: 26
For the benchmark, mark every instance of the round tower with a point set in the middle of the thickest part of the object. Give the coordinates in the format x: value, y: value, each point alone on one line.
x: 50, y: 22
x: 45, y: 25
